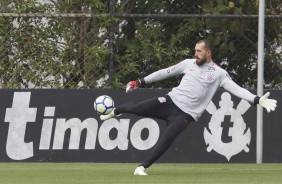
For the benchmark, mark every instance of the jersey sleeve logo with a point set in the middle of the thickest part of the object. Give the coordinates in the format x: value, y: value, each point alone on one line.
x: 170, y: 69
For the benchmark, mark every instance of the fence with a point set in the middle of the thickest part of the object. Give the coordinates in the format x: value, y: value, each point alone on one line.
x: 101, y: 44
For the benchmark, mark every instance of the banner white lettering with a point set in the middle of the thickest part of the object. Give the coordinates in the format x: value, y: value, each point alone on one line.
x: 20, y: 114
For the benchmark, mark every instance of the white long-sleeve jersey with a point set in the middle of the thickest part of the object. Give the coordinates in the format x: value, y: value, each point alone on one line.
x: 198, y: 85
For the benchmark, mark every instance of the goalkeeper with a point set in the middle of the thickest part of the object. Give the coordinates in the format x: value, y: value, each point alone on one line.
x: 185, y: 103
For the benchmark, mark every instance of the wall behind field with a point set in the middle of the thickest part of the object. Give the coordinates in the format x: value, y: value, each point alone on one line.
x: 61, y: 126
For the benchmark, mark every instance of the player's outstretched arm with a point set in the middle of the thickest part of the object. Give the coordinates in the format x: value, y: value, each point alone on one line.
x: 235, y: 89
x: 134, y: 85
x: 265, y: 102
x: 159, y: 75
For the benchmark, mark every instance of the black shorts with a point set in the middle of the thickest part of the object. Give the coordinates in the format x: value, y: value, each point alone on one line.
x: 158, y: 107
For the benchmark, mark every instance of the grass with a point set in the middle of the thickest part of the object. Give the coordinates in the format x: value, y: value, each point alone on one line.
x: 100, y: 173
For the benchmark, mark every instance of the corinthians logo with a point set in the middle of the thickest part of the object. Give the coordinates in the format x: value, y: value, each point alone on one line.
x: 226, y: 133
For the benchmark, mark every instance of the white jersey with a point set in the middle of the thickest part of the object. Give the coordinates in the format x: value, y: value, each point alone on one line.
x: 198, y: 85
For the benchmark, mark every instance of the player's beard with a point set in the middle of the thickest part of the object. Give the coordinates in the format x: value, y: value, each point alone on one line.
x: 201, y: 61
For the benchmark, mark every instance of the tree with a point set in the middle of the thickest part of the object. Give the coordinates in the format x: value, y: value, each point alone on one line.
x: 146, y: 45
x: 53, y: 52
x: 60, y: 52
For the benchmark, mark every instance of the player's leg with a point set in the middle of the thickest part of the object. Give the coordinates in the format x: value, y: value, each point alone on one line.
x: 175, y: 126
x: 162, y: 108
x: 153, y: 107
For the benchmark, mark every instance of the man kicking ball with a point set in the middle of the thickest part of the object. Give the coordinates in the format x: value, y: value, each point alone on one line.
x: 185, y: 103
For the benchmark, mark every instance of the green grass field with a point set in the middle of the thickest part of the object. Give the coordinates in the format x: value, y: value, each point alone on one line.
x: 68, y: 173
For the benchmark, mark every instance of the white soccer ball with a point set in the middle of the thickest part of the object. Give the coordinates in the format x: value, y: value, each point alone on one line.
x: 104, y: 105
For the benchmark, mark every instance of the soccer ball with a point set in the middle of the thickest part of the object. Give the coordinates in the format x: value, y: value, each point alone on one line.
x: 104, y: 105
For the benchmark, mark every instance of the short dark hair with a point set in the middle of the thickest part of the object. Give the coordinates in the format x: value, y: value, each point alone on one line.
x: 208, y: 44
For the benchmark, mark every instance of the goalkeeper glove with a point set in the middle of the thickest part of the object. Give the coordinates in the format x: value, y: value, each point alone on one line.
x: 134, y: 85
x: 263, y: 101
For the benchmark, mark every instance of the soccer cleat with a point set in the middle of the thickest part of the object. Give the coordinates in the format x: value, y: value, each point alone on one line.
x: 108, y: 116
x: 140, y: 171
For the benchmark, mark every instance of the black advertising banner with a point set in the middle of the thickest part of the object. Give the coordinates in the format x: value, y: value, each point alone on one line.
x: 47, y: 125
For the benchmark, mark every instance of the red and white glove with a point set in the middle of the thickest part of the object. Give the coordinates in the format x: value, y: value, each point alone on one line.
x: 134, y: 85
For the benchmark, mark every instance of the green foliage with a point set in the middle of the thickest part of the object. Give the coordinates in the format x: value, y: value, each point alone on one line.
x: 52, y: 52
x: 236, y: 40
x: 75, y: 52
